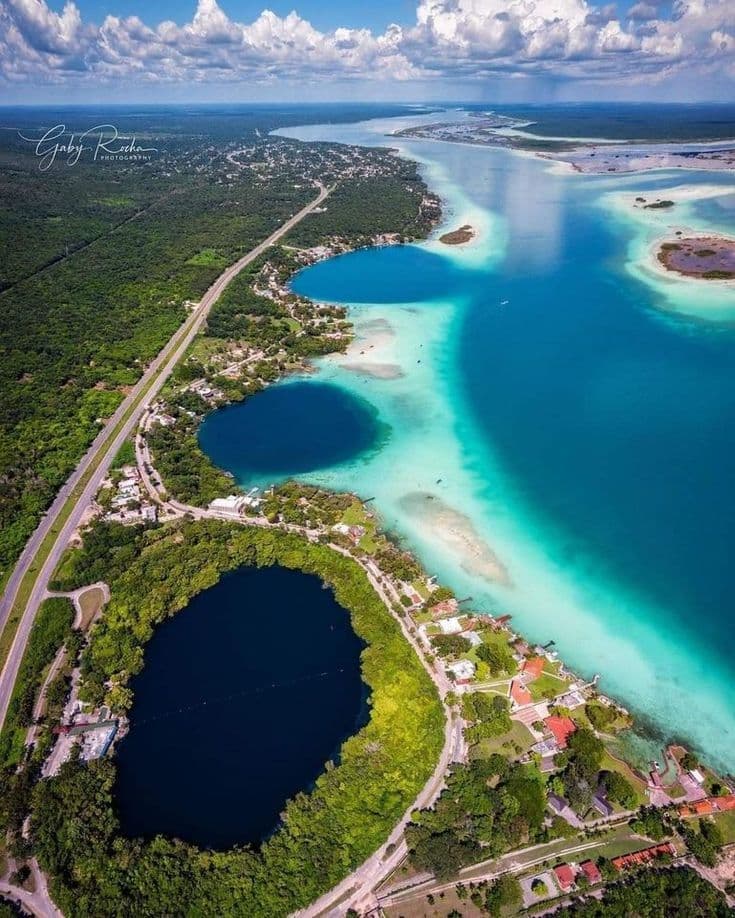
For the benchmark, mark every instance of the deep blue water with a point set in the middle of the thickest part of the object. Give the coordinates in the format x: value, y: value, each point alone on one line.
x: 616, y: 423
x: 244, y: 696
x: 288, y: 429
x: 585, y: 429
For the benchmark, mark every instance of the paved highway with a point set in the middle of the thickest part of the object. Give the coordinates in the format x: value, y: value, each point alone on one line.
x: 106, y: 446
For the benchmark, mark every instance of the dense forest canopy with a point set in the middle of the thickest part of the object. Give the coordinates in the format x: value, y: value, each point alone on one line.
x: 98, y: 261
x: 324, y: 834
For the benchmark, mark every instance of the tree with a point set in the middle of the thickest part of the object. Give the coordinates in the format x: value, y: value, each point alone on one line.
x: 498, y: 657
x: 442, y: 854
x: 450, y: 645
x: 654, y: 894
x: 650, y: 822
x: 503, y: 895
x: 619, y: 790
x: 601, y: 716
x: 703, y: 844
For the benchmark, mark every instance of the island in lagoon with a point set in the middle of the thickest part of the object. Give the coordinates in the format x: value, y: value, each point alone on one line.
x: 530, y: 753
x: 707, y: 257
x: 459, y: 236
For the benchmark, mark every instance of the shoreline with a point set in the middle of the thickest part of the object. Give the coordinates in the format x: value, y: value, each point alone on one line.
x: 708, y: 242
x: 341, y: 481
x: 453, y: 206
x: 658, y: 226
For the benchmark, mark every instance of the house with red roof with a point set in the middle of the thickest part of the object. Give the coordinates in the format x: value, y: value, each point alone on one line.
x: 591, y: 871
x: 561, y: 729
x: 638, y: 858
x: 519, y: 693
x: 445, y: 607
x: 564, y: 875
x: 708, y: 806
x: 532, y: 668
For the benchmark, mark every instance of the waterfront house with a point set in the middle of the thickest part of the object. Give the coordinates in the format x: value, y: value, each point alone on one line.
x: 445, y: 607
x: 571, y: 699
x: 532, y: 668
x: 450, y: 625
x: 561, y: 728
x: 519, y: 694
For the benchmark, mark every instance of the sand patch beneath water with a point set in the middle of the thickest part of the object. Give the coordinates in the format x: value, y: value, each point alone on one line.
x: 457, y: 534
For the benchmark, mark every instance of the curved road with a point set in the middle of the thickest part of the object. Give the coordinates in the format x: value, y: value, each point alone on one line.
x: 357, y: 889
x: 106, y: 445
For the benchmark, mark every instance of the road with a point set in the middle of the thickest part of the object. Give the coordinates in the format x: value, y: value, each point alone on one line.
x: 39, y: 902
x: 103, y: 451
x: 356, y: 890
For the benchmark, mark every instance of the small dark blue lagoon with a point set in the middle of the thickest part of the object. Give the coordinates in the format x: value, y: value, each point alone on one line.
x: 245, y: 695
x: 288, y: 429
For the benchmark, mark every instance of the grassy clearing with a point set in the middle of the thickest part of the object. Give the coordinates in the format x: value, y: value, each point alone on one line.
x: 518, y: 737
x: 726, y: 822
x: 207, y: 258
x: 549, y: 684
x: 356, y: 515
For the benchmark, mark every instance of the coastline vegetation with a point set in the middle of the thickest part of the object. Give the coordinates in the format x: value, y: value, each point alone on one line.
x: 324, y: 834
x: 99, y: 276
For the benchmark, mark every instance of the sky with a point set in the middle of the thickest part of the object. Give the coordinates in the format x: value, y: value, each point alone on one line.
x: 375, y: 50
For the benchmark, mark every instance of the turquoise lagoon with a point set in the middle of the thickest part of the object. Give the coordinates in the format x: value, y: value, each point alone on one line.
x: 561, y: 418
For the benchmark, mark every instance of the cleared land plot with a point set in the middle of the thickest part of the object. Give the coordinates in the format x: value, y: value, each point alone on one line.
x: 90, y: 603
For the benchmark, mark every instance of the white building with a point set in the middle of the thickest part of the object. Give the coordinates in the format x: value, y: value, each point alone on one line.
x: 462, y: 670
x: 450, y: 625
x: 231, y: 505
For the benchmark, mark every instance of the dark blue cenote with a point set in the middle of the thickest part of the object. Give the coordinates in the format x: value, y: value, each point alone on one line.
x: 244, y: 696
x: 291, y: 428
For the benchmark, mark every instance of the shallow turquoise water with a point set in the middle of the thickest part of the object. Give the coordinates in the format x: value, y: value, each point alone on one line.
x: 582, y: 431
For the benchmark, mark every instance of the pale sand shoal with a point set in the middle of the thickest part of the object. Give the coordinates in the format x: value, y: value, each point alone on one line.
x: 457, y: 534
x: 376, y: 369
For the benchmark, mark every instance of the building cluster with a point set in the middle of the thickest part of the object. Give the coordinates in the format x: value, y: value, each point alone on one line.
x: 709, y: 806
x: 93, y: 730
x: 559, y: 880
x: 352, y: 532
x: 304, y: 164
x: 129, y: 503
x: 236, y: 505
x: 206, y: 391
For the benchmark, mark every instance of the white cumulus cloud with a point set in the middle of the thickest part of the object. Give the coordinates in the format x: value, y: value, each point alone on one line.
x: 450, y: 39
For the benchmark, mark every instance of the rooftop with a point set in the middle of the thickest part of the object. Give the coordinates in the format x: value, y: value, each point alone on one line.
x: 591, y: 871
x: 561, y: 728
x: 519, y: 693
x: 564, y: 875
x: 533, y: 667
